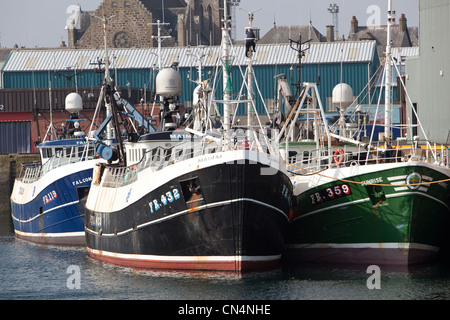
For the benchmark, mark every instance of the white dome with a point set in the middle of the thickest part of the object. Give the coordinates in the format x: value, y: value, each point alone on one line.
x: 74, y: 103
x: 168, y: 83
x: 342, y: 94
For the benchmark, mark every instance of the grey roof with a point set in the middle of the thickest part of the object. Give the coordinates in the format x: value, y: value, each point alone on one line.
x: 397, y: 53
x: 61, y: 59
x: 408, y: 38
x: 282, y: 34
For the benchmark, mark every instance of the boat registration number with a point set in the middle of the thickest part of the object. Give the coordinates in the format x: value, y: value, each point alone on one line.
x: 49, y: 197
x: 165, y: 199
x: 330, y: 193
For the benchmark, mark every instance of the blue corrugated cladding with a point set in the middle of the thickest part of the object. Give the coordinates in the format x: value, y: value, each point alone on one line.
x: 354, y: 74
x: 87, y: 78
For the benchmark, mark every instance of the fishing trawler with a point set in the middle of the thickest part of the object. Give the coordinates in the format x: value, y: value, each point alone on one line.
x: 220, y: 202
x: 47, y: 201
x: 372, y: 202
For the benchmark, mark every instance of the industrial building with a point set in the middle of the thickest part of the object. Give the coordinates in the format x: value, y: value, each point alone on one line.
x: 428, y: 74
x: 68, y: 70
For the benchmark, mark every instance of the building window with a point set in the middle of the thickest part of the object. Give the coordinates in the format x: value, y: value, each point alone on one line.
x: 127, y: 3
x: 114, y: 4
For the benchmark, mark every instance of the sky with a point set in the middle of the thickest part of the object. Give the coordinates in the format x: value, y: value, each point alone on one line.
x: 41, y: 23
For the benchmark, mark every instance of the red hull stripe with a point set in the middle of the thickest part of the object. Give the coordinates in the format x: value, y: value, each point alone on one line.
x: 213, y: 263
x: 68, y: 238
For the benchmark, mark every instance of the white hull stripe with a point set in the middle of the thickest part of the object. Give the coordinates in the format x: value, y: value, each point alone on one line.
x: 45, y: 212
x: 50, y: 235
x: 202, y: 207
x: 395, y: 195
x: 379, y: 245
x: 397, y: 178
x: 142, y: 257
x: 419, y: 194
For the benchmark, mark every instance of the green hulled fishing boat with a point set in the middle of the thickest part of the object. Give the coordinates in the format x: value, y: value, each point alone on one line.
x: 384, y: 202
x: 391, y: 213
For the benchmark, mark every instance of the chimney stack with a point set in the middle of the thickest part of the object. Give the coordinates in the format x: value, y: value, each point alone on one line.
x: 402, y: 23
x: 330, y: 33
x: 354, y: 26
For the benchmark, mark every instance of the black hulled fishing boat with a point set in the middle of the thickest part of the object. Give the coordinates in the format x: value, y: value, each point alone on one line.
x: 220, y: 201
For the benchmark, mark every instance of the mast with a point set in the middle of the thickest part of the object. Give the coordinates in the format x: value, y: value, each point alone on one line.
x: 107, y: 94
x: 226, y: 62
x: 159, y: 39
x: 109, y: 128
x: 107, y: 79
x: 105, y: 42
x: 388, y: 75
x: 250, y: 48
x: 250, y: 74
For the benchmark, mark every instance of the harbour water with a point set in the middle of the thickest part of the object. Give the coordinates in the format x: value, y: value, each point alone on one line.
x: 35, y: 272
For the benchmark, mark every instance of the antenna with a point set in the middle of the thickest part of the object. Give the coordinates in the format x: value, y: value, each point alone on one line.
x: 310, y: 25
x: 159, y: 38
x: 334, y: 10
x: 70, y: 76
x: 297, y: 46
x: 104, y: 21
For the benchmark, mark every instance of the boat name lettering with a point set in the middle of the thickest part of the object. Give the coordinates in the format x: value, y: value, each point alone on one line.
x: 165, y: 199
x: 374, y: 180
x: 210, y: 157
x: 180, y: 136
x: 95, y: 221
x: 49, y: 197
x: 330, y: 193
x: 82, y: 181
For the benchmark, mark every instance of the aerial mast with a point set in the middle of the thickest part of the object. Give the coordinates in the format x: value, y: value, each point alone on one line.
x: 226, y: 61
x: 388, y: 75
x: 249, y: 50
x: 334, y: 10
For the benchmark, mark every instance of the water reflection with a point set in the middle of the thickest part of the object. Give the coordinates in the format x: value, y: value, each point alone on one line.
x: 32, y: 271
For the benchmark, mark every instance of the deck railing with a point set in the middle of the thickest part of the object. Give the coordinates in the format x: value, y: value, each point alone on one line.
x: 32, y: 171
x: 155, y: 159
x: 309, y: 161
x: 160, y: 157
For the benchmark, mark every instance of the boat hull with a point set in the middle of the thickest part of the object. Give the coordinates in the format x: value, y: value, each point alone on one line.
x: 51, y: 210
x: 386, y: 221
x: 236, y: 223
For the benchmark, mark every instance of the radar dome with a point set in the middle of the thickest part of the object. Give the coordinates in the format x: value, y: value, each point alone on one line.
x: 342, y: 95
x: 74, y: 103
x: 168, y: 83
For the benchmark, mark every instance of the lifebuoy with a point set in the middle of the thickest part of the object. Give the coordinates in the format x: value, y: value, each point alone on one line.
x: 339, y: 156
x: 243, y: 146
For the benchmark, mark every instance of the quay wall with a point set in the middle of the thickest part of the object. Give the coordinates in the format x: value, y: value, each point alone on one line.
x: 10, y: 165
